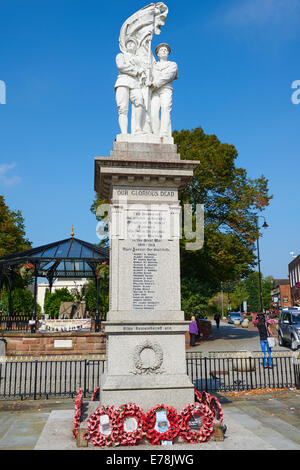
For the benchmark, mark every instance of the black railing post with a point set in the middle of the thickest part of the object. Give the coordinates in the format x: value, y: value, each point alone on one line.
x: 97, y: 322
x: 35, y: 379
x: 250, y: 371
x: 33, y: 326
x: 297, y: 372
x: 85, y: 378
x: 205, y: 371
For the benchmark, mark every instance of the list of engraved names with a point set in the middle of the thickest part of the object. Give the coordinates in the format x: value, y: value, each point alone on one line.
x: 148, y: 232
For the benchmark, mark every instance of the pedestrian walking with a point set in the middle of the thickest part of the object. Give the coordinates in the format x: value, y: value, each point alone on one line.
x: 264, y: 332
x: 217, y: 318
x: 193, y: 330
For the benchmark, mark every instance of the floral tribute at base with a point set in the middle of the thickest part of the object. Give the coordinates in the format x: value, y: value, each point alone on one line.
x: 196, y: 423
x: 128, y: 424
x: 121, y: 433
x: 155, y: 431
x: 99, y: 430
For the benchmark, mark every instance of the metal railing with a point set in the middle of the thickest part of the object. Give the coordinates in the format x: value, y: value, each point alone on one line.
x: 14, y: 323
x: 214, y: 372
x: 228, y: 371
x: 49, y: 377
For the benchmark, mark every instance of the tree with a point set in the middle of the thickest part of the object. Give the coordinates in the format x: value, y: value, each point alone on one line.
x: 53, y: 301
x: 231, y: 201
x: 91, y: 296
x: 12, y: 230
x: 13, y: 239
x: 252, y: 287
x: 21, y: 302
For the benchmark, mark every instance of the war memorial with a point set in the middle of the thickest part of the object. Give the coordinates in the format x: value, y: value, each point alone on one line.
x: 141, y: 179
x: 145, y: 385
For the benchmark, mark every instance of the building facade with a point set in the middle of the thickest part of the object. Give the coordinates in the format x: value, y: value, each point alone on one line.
x: 281, y: 293
x: 294, y: 275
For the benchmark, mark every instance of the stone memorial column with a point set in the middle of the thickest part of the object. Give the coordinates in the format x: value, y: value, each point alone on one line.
x: 145, y: 327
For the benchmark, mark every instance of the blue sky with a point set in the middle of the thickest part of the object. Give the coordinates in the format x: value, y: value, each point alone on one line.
x: 237, y: 60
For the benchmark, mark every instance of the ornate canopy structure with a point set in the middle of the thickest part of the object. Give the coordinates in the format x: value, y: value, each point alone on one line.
x: 70, y: 258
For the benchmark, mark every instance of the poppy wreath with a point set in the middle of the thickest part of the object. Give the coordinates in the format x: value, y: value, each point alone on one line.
x: 156, y: 437
x: 198, y: 396
x: 93, y: 434
x: 119, y: 435
x: 214, y: 405
x: 216, y: 408
x: 96, y: 394
x: 207, y: 428
x: 78, y: 408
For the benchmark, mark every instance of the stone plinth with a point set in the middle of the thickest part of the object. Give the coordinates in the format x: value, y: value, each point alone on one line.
x: 145, y: 324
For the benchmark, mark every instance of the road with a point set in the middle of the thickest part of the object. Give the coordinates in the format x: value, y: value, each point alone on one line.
x: 232, y: 338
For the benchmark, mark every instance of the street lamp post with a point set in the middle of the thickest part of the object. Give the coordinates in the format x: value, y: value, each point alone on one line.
x: 265, y: 225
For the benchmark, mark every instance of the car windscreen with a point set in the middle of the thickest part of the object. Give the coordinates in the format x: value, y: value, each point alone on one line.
x: 235, y: 314
x: 296, y: 318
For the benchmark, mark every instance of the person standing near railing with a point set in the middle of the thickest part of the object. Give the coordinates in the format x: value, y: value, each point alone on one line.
x: 264, y: 331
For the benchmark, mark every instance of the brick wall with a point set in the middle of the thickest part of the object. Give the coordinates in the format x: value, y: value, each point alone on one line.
x: 39, y: 344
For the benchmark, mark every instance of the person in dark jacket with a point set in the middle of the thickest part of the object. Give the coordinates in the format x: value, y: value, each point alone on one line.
x: 193, y: 330
x: 217, y: 318
x: 264, y: 332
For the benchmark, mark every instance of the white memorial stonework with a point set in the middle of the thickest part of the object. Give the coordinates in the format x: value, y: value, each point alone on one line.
x: 142, y: 178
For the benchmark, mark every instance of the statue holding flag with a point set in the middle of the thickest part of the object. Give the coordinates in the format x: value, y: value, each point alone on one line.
x: 142, y: 81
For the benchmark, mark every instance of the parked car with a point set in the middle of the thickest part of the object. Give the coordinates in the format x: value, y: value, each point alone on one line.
x: 289, y: 328
x: 232, y: 316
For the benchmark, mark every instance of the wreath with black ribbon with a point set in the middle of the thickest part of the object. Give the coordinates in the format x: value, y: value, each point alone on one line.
x: 96, y: 394
x: 155, y: 437
x: 205, y: 420
x: 119, y: 435
x: 213, y: 404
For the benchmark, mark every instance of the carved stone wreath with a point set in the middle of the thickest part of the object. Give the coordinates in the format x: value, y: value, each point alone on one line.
x: 155, y: 368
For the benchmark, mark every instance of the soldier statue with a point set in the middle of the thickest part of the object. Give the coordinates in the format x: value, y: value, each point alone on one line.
x: 128, y: 88
x: 163, y: 74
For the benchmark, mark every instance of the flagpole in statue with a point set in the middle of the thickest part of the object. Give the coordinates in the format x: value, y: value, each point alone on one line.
x: 145, y: 327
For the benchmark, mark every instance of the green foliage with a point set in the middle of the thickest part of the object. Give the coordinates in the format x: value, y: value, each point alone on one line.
x: 12, y: 231
x: 194, y: 297
x: 91, y: 296
x: 53, y: 301
x: 235, y: 293
x: 21, y: 302
x: 230, y: 200
x: 252, y: 286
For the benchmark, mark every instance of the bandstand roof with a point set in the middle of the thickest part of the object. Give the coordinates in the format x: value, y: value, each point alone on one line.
x: 70, y: 258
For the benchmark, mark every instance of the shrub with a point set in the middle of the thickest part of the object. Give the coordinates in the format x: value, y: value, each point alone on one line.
x: 53, y: 301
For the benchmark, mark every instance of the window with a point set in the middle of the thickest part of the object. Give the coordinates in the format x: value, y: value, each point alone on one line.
x: 285, y: 299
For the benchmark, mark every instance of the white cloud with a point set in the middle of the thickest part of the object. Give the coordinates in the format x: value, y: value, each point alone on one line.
x: 5, y: 178
x: 262, y: 12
